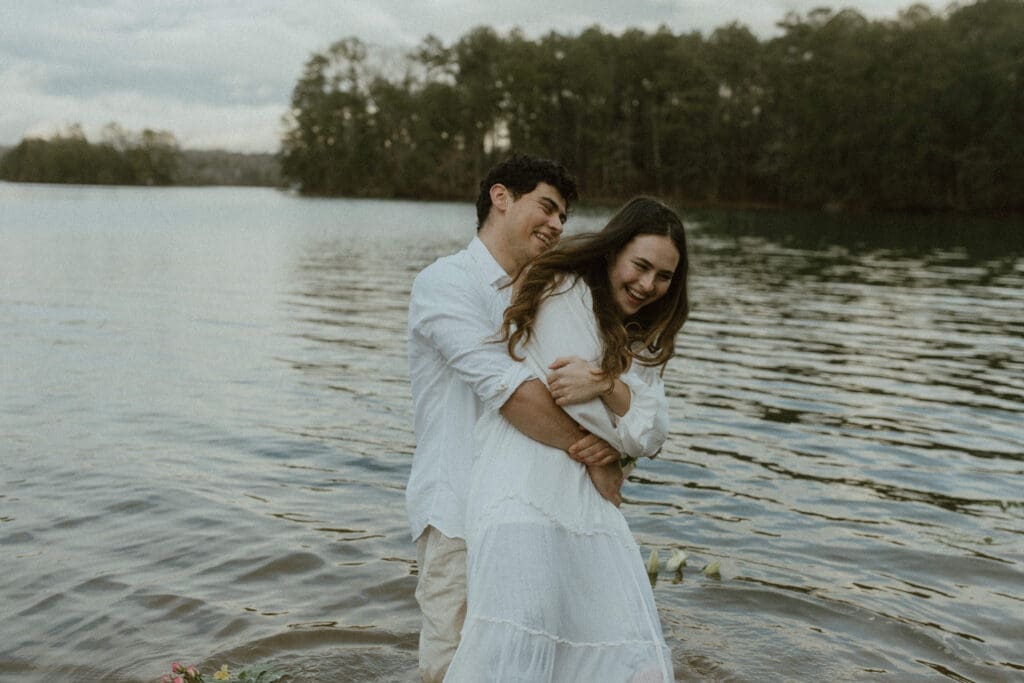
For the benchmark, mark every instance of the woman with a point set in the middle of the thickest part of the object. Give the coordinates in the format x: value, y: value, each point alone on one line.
x: 557, y: 589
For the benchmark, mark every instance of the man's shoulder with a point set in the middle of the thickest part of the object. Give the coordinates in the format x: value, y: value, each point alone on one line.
x: 450, y: 269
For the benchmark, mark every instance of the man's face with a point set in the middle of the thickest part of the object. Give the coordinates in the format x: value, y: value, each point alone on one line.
x: 534, y: 222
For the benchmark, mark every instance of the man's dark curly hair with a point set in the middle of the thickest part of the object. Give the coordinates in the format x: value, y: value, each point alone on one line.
x: 521, y: 173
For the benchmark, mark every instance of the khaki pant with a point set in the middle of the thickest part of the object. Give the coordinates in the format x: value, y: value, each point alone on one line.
x: 441, y: 593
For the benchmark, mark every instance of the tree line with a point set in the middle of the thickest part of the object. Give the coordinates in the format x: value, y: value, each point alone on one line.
x: 921, y: 112
x: 122, y: 157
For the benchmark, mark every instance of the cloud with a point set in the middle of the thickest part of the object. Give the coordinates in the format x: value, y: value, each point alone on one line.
x: 240, y: 127
x: 220, y: 72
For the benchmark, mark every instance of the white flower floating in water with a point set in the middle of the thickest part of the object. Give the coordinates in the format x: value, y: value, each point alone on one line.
x: 652, y: 563
x: 676, y: 562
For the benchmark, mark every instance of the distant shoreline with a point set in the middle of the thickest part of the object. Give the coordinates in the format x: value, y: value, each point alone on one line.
x: 588, y: 203
x: 150, y: 159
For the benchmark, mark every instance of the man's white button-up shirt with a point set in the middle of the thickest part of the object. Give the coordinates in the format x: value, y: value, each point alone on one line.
x: 457, y: 370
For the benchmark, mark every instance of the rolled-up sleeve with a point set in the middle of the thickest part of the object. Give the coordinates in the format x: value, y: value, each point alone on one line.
x: 456, y: 321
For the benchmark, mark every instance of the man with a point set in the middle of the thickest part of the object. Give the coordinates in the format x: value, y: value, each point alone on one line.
x: 456, y: 307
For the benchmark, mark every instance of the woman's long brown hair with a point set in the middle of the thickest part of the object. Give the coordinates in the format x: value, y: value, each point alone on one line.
x: 647, y: 336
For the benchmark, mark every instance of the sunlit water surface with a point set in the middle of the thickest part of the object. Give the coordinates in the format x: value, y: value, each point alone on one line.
x: 206, y: 431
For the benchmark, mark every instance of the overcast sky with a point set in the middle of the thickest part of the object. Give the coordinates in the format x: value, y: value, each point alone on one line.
x: 219, y: 73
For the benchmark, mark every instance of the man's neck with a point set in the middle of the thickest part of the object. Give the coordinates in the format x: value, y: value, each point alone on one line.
x: 495, y: 246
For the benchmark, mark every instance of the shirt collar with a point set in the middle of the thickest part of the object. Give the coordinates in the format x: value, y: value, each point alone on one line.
x: 494, y: 273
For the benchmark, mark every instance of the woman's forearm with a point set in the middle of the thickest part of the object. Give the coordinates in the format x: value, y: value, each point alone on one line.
x: 618, y: 397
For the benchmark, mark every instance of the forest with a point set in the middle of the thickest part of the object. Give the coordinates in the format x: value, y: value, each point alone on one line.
x: 123, y: 157
x: 921, y: 112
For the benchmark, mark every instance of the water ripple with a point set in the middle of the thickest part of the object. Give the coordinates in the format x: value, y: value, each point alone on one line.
x: 209, y: 432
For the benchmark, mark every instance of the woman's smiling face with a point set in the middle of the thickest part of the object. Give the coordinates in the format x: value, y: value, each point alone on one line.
x: 642, y: 271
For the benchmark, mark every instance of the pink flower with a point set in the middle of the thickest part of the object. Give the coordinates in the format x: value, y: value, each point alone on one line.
x: 178, y: 679
x: 191, y: 671
x: 176, y: 667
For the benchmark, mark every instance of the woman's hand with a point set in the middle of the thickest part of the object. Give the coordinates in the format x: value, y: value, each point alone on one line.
x: 573, y: 380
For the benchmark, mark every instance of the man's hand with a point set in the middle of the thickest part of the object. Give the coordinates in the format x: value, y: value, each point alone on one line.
x: 573, y: 380
x: 593, y: 451
x: 607, y: 479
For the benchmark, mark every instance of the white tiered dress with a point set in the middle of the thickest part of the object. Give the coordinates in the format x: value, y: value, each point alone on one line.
x: 557, y: 587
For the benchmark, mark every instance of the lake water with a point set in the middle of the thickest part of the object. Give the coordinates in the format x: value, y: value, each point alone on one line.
x: 206, y: 430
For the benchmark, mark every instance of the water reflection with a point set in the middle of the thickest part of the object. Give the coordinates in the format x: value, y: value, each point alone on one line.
x: 829, y: 348
x: 843, y: 395
x: 229, y: 433
x: 948, y: 238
